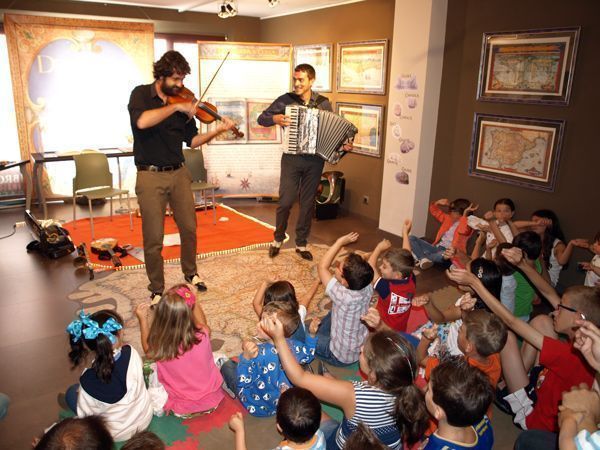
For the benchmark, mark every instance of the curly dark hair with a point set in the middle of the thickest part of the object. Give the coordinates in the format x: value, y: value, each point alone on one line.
x: 169, y: 63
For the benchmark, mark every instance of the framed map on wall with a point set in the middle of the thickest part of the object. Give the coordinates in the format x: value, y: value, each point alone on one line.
x: 516, y: 150
x: 533, y: 66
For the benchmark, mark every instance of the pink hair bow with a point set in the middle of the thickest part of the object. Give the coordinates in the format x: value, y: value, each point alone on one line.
x: 185, y: 293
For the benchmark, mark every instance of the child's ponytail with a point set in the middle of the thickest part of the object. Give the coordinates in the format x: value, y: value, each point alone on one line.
x: 393, y: 364
x: 96, y: 333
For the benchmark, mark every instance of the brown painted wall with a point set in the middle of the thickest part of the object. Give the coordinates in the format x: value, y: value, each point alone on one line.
x: 245, y: 29
x: 373, y: 19
x: 576, y: 199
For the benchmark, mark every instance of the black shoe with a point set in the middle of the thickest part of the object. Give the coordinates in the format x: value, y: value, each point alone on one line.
x: 305, y: 254
x: 195, y: 280
x: 273, y: 251
x: 502, y: 404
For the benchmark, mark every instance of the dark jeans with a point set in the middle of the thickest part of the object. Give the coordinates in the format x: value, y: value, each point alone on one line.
x: 71, y: 397
x: 229, y: 374
x: 299, y: 179
x: 537, y: 440
x: 323, y: 339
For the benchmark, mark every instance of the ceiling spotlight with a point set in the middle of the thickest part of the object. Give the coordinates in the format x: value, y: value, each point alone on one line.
x: 227, y: 9
x: 231, y: 9
x: 223, y: 14
x: 273, y: 3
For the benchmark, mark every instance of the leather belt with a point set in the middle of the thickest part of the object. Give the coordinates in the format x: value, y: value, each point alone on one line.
x: 160, y: 168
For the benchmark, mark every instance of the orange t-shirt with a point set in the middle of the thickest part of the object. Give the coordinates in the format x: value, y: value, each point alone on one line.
x: 491, y: 368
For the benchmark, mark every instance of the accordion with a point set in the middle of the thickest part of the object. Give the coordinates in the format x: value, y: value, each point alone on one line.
x: 316, y: 132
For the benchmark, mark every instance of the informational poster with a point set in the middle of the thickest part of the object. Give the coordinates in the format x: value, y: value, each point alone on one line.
x: 252, y: 76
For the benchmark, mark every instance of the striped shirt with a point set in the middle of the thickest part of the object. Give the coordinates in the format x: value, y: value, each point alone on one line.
x: 348, y: 333
x: 376, y: 409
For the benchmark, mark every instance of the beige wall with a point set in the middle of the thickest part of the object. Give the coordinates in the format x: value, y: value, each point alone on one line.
x: 576, y: 199
x: 373, y: 19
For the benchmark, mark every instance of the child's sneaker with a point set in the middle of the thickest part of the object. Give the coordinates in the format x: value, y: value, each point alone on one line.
x: 425, y: 263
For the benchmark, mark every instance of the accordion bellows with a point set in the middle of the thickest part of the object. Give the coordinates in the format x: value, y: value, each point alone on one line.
x: 316, y: 132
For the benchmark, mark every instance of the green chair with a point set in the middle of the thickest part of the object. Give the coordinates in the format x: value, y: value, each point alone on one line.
x: 94, y: 181
x: 194, y: 161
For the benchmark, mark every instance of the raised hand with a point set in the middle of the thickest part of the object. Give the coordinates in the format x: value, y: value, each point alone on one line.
x: 443, y: 202
x: 249, y: 349
x: 348, y: 238
x: 461, y: 276
x: 513, y: 255
x: 407, y: 226
x: 467, y: 302
x: 582, y: 399
x: 471, y: 208
x: 581, y: 243
x: 489, y: 215
x: 384, y: 244
x: 420, y: 301
x: 587, y: 341
x: 141, y: 311
x: 431, y: 333
x: 272, y: 326
x: 314, y: 326
x: 449, y: 253
x: 372, y: 318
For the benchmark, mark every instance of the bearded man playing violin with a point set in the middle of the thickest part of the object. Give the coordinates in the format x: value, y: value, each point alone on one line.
x: 159, y: 129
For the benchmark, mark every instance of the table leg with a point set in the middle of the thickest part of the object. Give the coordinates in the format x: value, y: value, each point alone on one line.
x: 37, y: 176
x: 28, y: 186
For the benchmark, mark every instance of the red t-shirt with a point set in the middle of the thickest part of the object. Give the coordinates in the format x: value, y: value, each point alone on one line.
x: 395, y: 301
x: 564, y: 367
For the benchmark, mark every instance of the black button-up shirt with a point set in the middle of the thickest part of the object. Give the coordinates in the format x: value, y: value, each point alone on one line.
x: 160, y: 145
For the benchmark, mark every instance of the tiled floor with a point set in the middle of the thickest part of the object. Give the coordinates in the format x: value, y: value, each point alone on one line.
x: 33, y: 315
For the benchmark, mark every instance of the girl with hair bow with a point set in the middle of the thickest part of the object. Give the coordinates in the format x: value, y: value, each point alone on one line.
x: 179, y: 342
x: 113, y: 387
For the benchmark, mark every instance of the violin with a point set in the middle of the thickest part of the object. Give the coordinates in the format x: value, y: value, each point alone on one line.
x: 205, y: 112
x: 83, y: 259
x: 105, y: 248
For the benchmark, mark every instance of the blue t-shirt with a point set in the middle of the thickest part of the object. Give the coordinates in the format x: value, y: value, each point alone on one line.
x: 485, y: 439
x: 261, y: 380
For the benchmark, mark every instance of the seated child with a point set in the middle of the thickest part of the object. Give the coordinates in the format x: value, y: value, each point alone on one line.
x: 531, y: 245
x: 113, y: 387
x: 258, y: 378
x: 298, y: 418
x: 341, y: 333
x: 394, y: 281
x: 458, y: 395
x: 179, y: 342
x: 480, y: 338
x: 454, y: 232
x: 88, y: 433
x: 535, y: 402
x: 497, y: 225
x: 280, y: 290
x: 592, y: 268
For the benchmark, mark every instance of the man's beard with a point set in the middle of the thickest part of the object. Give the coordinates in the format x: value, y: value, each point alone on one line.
x: 171, y: 91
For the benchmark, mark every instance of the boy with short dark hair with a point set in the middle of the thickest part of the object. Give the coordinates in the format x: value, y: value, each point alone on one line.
x: 298, y: 419
x: 534, y: 401
x: 341, y: 332
x: 458, y: 396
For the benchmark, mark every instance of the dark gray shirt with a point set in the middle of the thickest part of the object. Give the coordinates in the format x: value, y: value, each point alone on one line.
x: 278, y: 106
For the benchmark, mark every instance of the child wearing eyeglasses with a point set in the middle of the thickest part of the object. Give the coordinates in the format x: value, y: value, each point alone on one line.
x: 534, y: 397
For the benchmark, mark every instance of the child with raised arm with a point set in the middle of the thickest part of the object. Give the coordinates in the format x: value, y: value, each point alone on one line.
x: 458, y: 395
x: 535, y: 402
x: 341, y: 333
x: 394, y: 281
x: 388, y: 402
x: 592, y: 268
x: 281, y: 290
x: 258, y: 379
x: 454, y: 232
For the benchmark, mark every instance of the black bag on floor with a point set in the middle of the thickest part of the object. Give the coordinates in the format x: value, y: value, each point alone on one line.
x: 53, y: 241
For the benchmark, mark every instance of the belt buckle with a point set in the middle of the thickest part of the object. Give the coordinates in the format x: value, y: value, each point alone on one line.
x: 152, y: 168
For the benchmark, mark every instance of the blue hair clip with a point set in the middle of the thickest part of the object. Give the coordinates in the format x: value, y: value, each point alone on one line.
x: 93, y: 330
x: 90, y: 329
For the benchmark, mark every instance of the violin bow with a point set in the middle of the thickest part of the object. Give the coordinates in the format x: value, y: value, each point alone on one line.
x: 213, y: 77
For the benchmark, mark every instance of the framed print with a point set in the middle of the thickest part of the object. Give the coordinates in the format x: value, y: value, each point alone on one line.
x: 257, y: 133
x: 369, y: 121
x: 534, y: 66
x: 235, y: 109
x: 362, y: 67
x: 320, y: 56
x: 516, y: 150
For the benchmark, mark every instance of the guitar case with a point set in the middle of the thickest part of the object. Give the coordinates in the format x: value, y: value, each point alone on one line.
x: 53, y: 241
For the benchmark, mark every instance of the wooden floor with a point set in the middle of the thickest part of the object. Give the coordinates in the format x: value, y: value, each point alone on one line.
x: 34, y: 313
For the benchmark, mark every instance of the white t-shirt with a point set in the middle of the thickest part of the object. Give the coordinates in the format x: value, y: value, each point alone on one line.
x: 590, y: 277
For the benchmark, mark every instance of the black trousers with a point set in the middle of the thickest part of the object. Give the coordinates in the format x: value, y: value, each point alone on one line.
x: 299, y: 179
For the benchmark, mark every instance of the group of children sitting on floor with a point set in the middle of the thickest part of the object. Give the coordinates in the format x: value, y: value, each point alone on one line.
x: 432, y: 388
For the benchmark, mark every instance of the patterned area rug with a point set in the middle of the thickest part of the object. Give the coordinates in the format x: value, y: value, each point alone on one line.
x: 232, y: 281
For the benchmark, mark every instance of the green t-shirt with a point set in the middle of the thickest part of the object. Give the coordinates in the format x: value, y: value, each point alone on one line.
x: 525, y: 292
